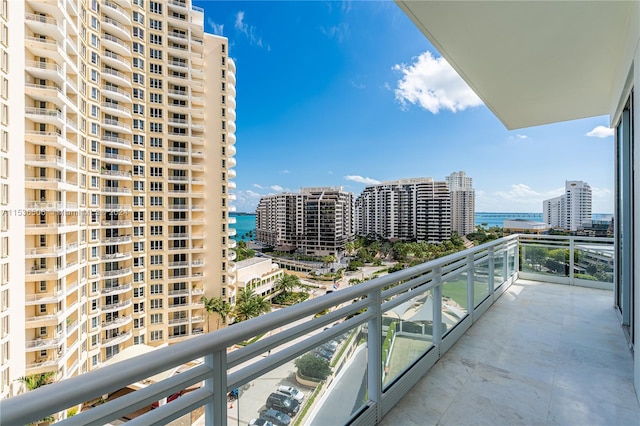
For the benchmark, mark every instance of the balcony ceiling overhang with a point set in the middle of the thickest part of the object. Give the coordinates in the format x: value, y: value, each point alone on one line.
x: 532, y: 62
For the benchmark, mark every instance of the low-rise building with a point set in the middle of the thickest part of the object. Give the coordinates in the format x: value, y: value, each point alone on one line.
x: 523, y: 226
x: 259, y: 274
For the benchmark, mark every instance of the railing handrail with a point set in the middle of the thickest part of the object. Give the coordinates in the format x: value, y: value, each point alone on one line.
x: 58, y: 396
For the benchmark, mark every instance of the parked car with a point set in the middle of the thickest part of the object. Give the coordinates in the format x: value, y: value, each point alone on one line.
x: 260, y: 422
x: 322, y: 357
x: 291, y: 392
x: 276, y: 417
x: 330, y: 346
x: 324, y: 353
x: 169, y: 399
x: 283, y: 403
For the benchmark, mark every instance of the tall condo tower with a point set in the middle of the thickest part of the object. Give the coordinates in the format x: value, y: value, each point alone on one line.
x: 121, y: 136
x: 570, y: 210
x: 463, y: 202
x: 407, y: 209
x: 316, y: 221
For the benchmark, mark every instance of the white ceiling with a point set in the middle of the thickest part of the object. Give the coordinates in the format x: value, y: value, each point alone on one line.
x: 531, y: 62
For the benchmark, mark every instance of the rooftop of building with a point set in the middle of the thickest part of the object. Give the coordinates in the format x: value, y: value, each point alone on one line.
x: 252, y: 261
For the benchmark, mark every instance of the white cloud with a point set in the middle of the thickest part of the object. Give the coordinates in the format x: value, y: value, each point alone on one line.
x: 434, y: 85
x: 523, y: 198
x: 517, y: 198
x: 360, y: 179
x: 249, y: 31
x: 339, y: 32
x: 600, y: 132
x: 357, y: 85
x: 286, y: 172
x: 276, y: 188
x: 218, y: 29
x: 247, y: 201
x: 255, y: 185
x: 522, y: 136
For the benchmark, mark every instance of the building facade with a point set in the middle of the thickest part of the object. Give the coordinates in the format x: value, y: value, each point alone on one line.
x: 315, y: 222
x: 112, y: 104
x: 463, y: 203
x: 259, y: 274
x: 408, y: 209
x: 570, y: 211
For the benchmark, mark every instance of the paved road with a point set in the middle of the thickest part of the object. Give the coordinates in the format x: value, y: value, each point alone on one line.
x: 253, y: 398
x: 345, y: 394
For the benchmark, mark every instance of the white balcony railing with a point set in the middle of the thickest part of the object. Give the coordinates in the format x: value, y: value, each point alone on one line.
x: 438, y: 300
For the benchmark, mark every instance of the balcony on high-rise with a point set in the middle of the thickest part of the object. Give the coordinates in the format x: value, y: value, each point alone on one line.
x: 520, y: 330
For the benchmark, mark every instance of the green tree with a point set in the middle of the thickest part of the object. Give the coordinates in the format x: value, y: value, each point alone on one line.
x: 287, y: 283
x: 349, y: 247
x: 310, y: 366
x: 250, y: 305
x: 34, y: 381
x: 328, y: 259
x: 218, y: 306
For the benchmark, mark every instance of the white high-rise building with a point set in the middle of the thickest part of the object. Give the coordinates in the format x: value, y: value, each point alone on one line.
x: 316, y: 221
x: 572, y: 209
x: 463, y: 203
x: 406, y: 209
x: 103, y: 202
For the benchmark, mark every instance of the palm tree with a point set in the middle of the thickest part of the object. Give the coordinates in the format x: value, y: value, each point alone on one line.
x: 250, y: 305
x: 218, y: 306
x: 287, y: 283
x: 328, y: 259
x: 34, y: 381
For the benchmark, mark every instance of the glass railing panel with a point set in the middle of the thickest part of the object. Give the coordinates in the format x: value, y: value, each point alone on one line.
x: 511, y: 258
x: 544, y: 260
x: 594, y: 262
x: 480, y: 282
x: 407, y: 334
x: 498, y: 269
x: 343, y: 393
x: 454, y: 301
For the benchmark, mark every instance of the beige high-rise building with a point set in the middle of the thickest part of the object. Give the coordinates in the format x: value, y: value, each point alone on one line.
x: 315, y: 222
x: 463, y: 203
x: 116, y: 162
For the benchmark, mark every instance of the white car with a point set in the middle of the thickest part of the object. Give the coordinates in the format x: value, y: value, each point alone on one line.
x: 291, y: 392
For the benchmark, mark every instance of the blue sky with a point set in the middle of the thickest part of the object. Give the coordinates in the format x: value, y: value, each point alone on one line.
x: 351, y: 93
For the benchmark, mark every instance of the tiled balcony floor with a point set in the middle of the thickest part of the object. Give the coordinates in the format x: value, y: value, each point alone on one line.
x: 543, y: 354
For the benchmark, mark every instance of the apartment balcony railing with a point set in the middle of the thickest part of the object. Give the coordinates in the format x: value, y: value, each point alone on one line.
x: 116, y: 339
x: 431, y: 305
x: 116, y: 289
x: 116, y: 272
x: 116, y: 306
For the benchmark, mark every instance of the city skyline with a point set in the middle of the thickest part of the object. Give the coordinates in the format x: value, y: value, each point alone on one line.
x: 324, y: 101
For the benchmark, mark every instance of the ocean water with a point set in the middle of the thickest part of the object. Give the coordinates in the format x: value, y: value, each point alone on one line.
x: 244, y: 224
x: 496, y: 219
x: 247, y: 222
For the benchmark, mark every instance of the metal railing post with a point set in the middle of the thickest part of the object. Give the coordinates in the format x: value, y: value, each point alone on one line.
x: 437, y: 307
x: 491, y: 270
x: 516, y: 261
x: 571, y: 261
x: 374, y: 342
x: 216, y: 408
